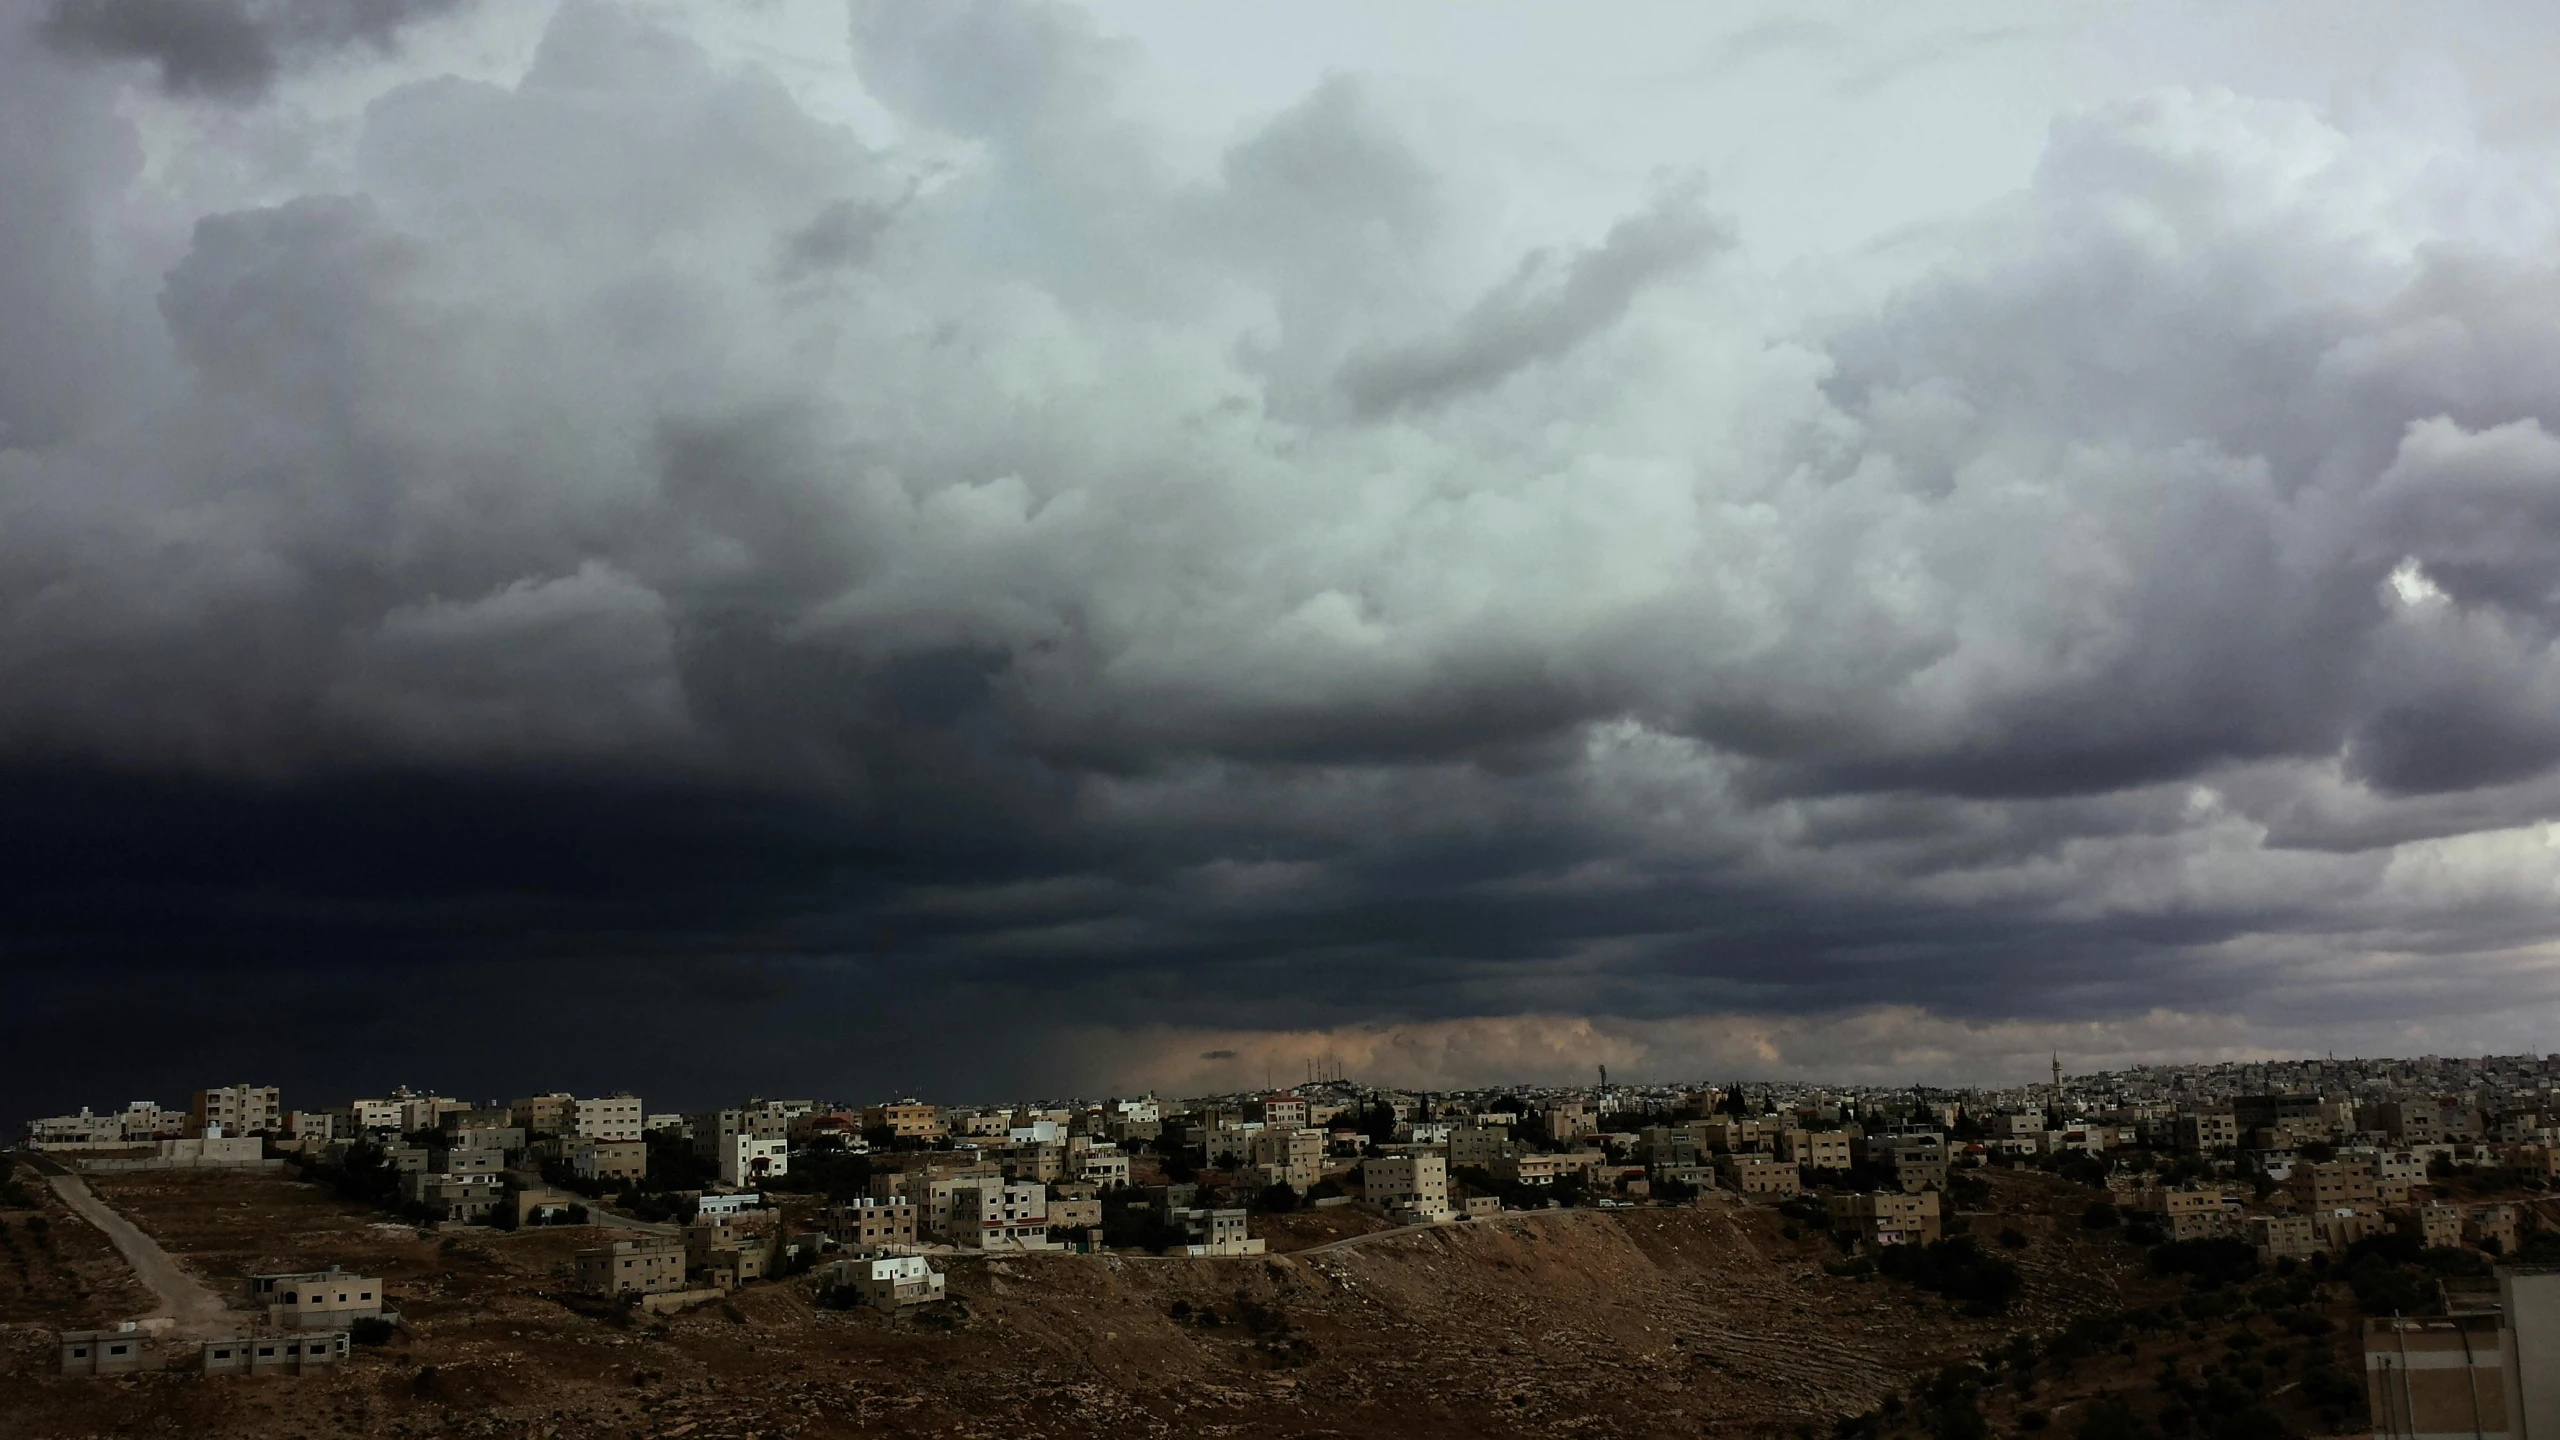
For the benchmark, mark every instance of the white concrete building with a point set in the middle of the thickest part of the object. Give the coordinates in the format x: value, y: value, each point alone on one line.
x: 746, y: 1159
x: 890, y: 1281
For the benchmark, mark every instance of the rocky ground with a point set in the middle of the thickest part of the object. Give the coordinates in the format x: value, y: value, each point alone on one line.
x: 1718, y: 1319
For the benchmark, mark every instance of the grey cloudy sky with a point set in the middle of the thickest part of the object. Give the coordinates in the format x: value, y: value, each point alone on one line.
x: 1024, y: 546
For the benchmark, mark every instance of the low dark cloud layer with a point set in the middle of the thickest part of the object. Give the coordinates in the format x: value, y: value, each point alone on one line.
x: 617, y: 555
x: 229, y: 49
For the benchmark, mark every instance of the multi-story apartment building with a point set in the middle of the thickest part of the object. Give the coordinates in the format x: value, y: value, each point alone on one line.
x: 453, y: 1197
x: 741, y: 1158
x: 2301, y: 1116
x: 2280, y: 1237
x: 64, y: 1131
x: 931, y: 1192
x: 908, y: 1119
x: 1759, y: 1175
x: 1887, y: 1218
x: 551, y: 1114
x: 2334, y: 1184
x: 1279, y: 1111
x: 2344, y: 1226
x: 611, y: 1117
x: 1031, y: 1161
x: 2410, y: 1122
x: 2205, y: 1131
x: 874, y: 1226
x: 1215, y: 1232
x: 1290, y: 1157
x: 1526, y: 1168
x: 635, y: 1267
x: 1478, y: 1147
x: 457, y: 1160
x: 237, y: 1110
x: 1000, y: 1215
x: 1418, y: 1181
x: 1816, y: 1149
x: 143, y: 1121
x: 316, y: 1299
x: 1565, y: 1121
x: 609, y: 1159
x: 2432, y: 1224
x: 2492, y: 1228
x: 1108, y: 1166
x: 2191, y: 1214
x: 889, y: 1283
x: 727, y: 1252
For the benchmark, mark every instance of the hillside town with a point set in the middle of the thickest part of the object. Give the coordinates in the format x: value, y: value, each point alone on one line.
x: 2443, y: 1168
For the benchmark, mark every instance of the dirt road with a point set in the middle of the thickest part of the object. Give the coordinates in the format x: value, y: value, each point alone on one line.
x: 184, y: 1300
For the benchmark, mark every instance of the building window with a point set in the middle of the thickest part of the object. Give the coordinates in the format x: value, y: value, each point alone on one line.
x: 116, y: 1349
x: 221, y: 1354
x: 80, y: 1352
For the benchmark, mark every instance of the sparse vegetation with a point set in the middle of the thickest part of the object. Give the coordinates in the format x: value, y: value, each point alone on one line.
x: 1956, y: 1268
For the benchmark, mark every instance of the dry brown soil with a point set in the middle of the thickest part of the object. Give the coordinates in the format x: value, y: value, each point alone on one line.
x: 1624, y: 1322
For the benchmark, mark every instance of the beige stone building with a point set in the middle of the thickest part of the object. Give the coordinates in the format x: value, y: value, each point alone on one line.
x: 2344, y: 1226
x: 633, y: 1267
x: 609, y: 1159
x: 1519, y: 1168
x: 1817, y: 1149
x: 1888, y: 1218
x: 611, y: 1117
x: 545, y: 1114
x: 328, y: 1299
x: 906, y: 1119
x: 1478, y: 1147
x: 729, y: 1251
x: 2332, y: 1184
x: 1290, y: 1157
x: 1283, y: 1111
x: 1000, y: 1215
x: 1417, y: 1181
x: 2280, y: 1237
x: 1080, y: 1210
x: 2492, y: 1227
x: 1761, y: 1175
x: 2432, y: 1224
x: 873, y: 1226
x: 2195, y: 1214
x: 238, y: 1110
x: 2201, y: 1131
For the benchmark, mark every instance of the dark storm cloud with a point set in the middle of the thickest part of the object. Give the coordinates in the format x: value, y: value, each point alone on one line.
x: 841, y: 235
x: 1543, y: 310
x: 623, y: 522
x: 229, y: 49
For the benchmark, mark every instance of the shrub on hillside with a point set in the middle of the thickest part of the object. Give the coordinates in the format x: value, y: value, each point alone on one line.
x: 1982, y: 1284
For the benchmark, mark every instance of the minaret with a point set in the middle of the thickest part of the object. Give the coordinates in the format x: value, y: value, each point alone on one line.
x: 2057, y: 1076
